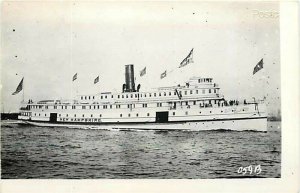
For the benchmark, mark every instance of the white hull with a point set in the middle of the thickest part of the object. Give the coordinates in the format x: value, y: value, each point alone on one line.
x: 258, y: 124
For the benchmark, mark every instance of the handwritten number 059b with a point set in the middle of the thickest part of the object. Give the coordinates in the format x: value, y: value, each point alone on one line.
x: 250, y: 169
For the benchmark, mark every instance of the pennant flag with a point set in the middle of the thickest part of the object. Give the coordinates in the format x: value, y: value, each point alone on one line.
x: 75, y: 77
x: 187, y: 60
x: 143, y: 72
x: 163, y: 75
x: 19, y: 88
x: 258, y: 66
x: 96, y: 80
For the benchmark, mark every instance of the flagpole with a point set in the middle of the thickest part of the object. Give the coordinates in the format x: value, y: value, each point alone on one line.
x: 23, y: 90
x: 77, y: 88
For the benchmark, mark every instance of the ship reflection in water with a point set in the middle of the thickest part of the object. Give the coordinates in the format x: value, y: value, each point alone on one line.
x: 49, y: 152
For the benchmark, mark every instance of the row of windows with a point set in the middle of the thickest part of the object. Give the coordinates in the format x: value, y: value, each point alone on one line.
x: 204, y: 80
x: 121, y: 115
x: 143, y: 105
x: 151, y: 94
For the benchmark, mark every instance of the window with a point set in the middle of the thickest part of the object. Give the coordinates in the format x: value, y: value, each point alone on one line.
x: 203, y: 91
x: 93, y: 97
x: 101, y: 97
x: 159, y: 94
x: 196, y: 91
x: 186, y: 103
x: 137, y: 114
x: 186, y: 113
x: 200, y: 112
x: 59, y: 115
x: 209, y: 90
x: 82, y: 115
x: 148, y: 114
x: 129, y: 115
x: 110, y: 106
x: 85, y: 97
x: 127, y: 96
x: 122, y: 96
x: 131, y: 95
x: 100, y: 115
x: 112, y: 96
x: 81, y: 98
x: 45, y: 115
x: 145, y: 95
x: 90, y: 106
x: 155, y: 94
x: 191, y: 92
x: 118, y: 96
x: 174, y: 93
x: 185, y: 92
x: 55, y: 107
x: 120, y: 115
x: 170, y: 93
x: 91, y: 115
x: 106, y: 96
x: 165, y: 93
x: 215, y: 90
x: 74, y: 115
x: 89, y: 97
x: 149, y: 94
x: 194, y: 102
x: 67, y: 115
x: 173, y: 113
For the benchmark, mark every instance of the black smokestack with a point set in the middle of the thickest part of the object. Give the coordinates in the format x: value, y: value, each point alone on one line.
x: 129, y: 78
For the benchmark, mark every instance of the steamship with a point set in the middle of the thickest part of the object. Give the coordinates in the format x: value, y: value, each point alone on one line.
x: 196, y: 105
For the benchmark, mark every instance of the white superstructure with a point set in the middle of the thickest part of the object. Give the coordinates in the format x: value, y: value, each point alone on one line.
x: 196, y: 105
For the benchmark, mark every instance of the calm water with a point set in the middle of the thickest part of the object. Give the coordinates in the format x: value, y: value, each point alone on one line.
x: 44, y: 152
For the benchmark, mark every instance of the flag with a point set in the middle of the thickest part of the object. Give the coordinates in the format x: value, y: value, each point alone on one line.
x: 187, y: 60
x: 19, y: 88
x: 96, y: 80
x: 75, y: 77
x: 258, y: 66
x: 143, y: 72
x: 163, y: 75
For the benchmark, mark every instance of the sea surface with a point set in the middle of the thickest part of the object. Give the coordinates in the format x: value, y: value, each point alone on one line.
x: 65, y: 153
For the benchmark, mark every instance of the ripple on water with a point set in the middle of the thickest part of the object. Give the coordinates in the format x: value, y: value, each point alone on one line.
x: 43, y: 152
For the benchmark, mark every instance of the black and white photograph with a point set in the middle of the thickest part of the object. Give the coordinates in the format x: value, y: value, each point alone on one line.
x: 141, y: 90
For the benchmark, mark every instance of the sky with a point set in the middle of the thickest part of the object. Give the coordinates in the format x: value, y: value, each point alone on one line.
x: 48, y: 42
